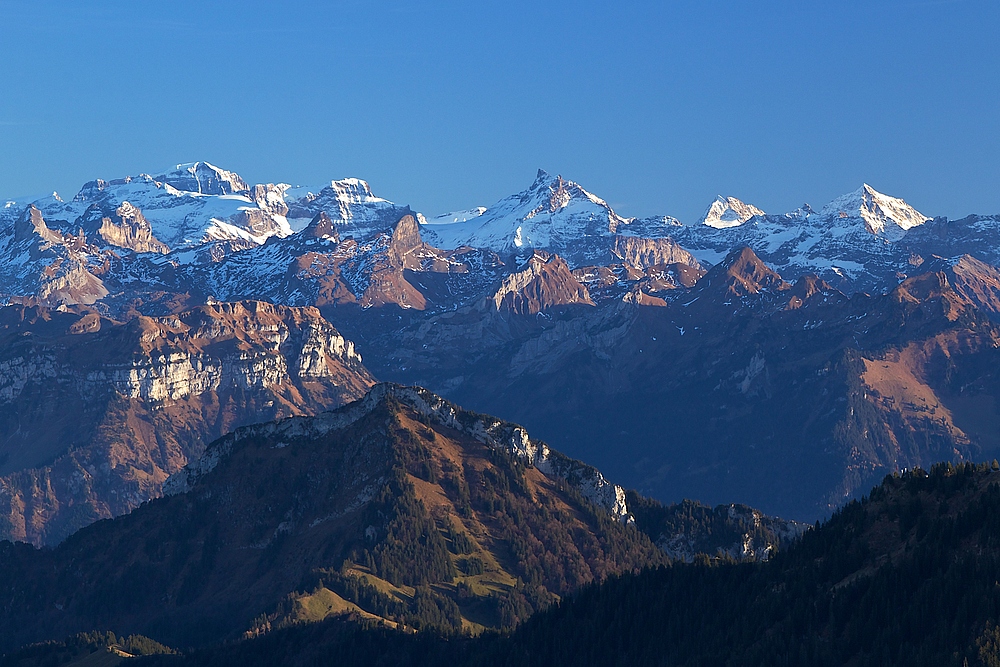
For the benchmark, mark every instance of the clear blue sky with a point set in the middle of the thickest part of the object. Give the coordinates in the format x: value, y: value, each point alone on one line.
x: 655, y: 106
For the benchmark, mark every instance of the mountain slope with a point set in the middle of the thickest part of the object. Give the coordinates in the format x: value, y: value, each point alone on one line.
x: 905, y: 577
x: 406, y: 506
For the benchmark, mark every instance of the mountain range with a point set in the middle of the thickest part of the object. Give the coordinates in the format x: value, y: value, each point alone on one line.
x: 785, y: 361
x: 257, y: 420
x: 186, y: 227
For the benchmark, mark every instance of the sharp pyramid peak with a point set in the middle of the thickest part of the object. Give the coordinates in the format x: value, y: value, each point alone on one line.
x: 728, y: 212
x: 883, y: 215
x: 542, y: 175
x: 743, y: 272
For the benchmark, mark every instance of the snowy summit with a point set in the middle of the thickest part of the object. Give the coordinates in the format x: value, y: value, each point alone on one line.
x: 728, y: 212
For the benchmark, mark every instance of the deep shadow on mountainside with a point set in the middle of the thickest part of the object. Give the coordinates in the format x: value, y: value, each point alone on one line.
x: 792, y: 398
x: 906, y: 576
x: 400, y: 508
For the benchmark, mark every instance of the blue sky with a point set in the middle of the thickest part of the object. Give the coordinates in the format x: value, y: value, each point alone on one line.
x: 657, y: 107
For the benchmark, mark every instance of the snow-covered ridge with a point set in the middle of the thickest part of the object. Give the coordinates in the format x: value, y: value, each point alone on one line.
x: 197, y: 205
x: 854, y: 242
x: 455, y: 216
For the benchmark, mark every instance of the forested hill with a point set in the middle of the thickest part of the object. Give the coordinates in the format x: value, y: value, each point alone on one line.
x: 909, y: 575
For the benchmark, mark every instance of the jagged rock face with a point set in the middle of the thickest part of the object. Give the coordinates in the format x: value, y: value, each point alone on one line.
x: 96, y: 414
x: 124, y: 227
x: 973, y: 280
x: 742, y: 274
x: 321, y: 227
x: 270, y: 197
x: 50, y: 266
x: 31, y: 227
x: 399, y: 489
x: 205, y: 179
x: 642, y: 253
x: 544, y: 282
x: 350, y: 203
x: 405, y: 240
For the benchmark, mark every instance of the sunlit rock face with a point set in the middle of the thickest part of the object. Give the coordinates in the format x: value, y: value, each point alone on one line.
x: 96, y: 413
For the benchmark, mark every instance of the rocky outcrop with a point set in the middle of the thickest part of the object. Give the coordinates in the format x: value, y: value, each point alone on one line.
x: 321, y: 227
x: 742, y: 274
x: 31, y: 227
x: 52, y: 267
x: 123, y: 227
x: 543, y: 282
x: 270, y: 197
x: 96, y: 414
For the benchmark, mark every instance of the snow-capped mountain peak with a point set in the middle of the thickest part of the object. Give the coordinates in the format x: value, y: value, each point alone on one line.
x: 728, y: 212
x: 203, y: 178
x: 350, y: 204
x: 884, y: 216
x: 553, y: 213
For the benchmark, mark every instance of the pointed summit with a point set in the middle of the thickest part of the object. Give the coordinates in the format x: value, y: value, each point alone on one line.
x: 728, y: 212
x: 884, y: 216
x: 32, y: 225
x: 553, y: 214
x: 743, y: 273
x: 544, y: 282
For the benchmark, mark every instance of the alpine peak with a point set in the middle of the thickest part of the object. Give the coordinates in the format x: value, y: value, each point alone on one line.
x: 884, y: 216
x: 728, y: 212
x: 203, y: 178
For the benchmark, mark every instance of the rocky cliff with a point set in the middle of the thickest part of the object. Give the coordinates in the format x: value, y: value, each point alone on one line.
x: 95, y: 414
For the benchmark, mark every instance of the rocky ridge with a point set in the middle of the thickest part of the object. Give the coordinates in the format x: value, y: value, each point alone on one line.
x: 396, y: 492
